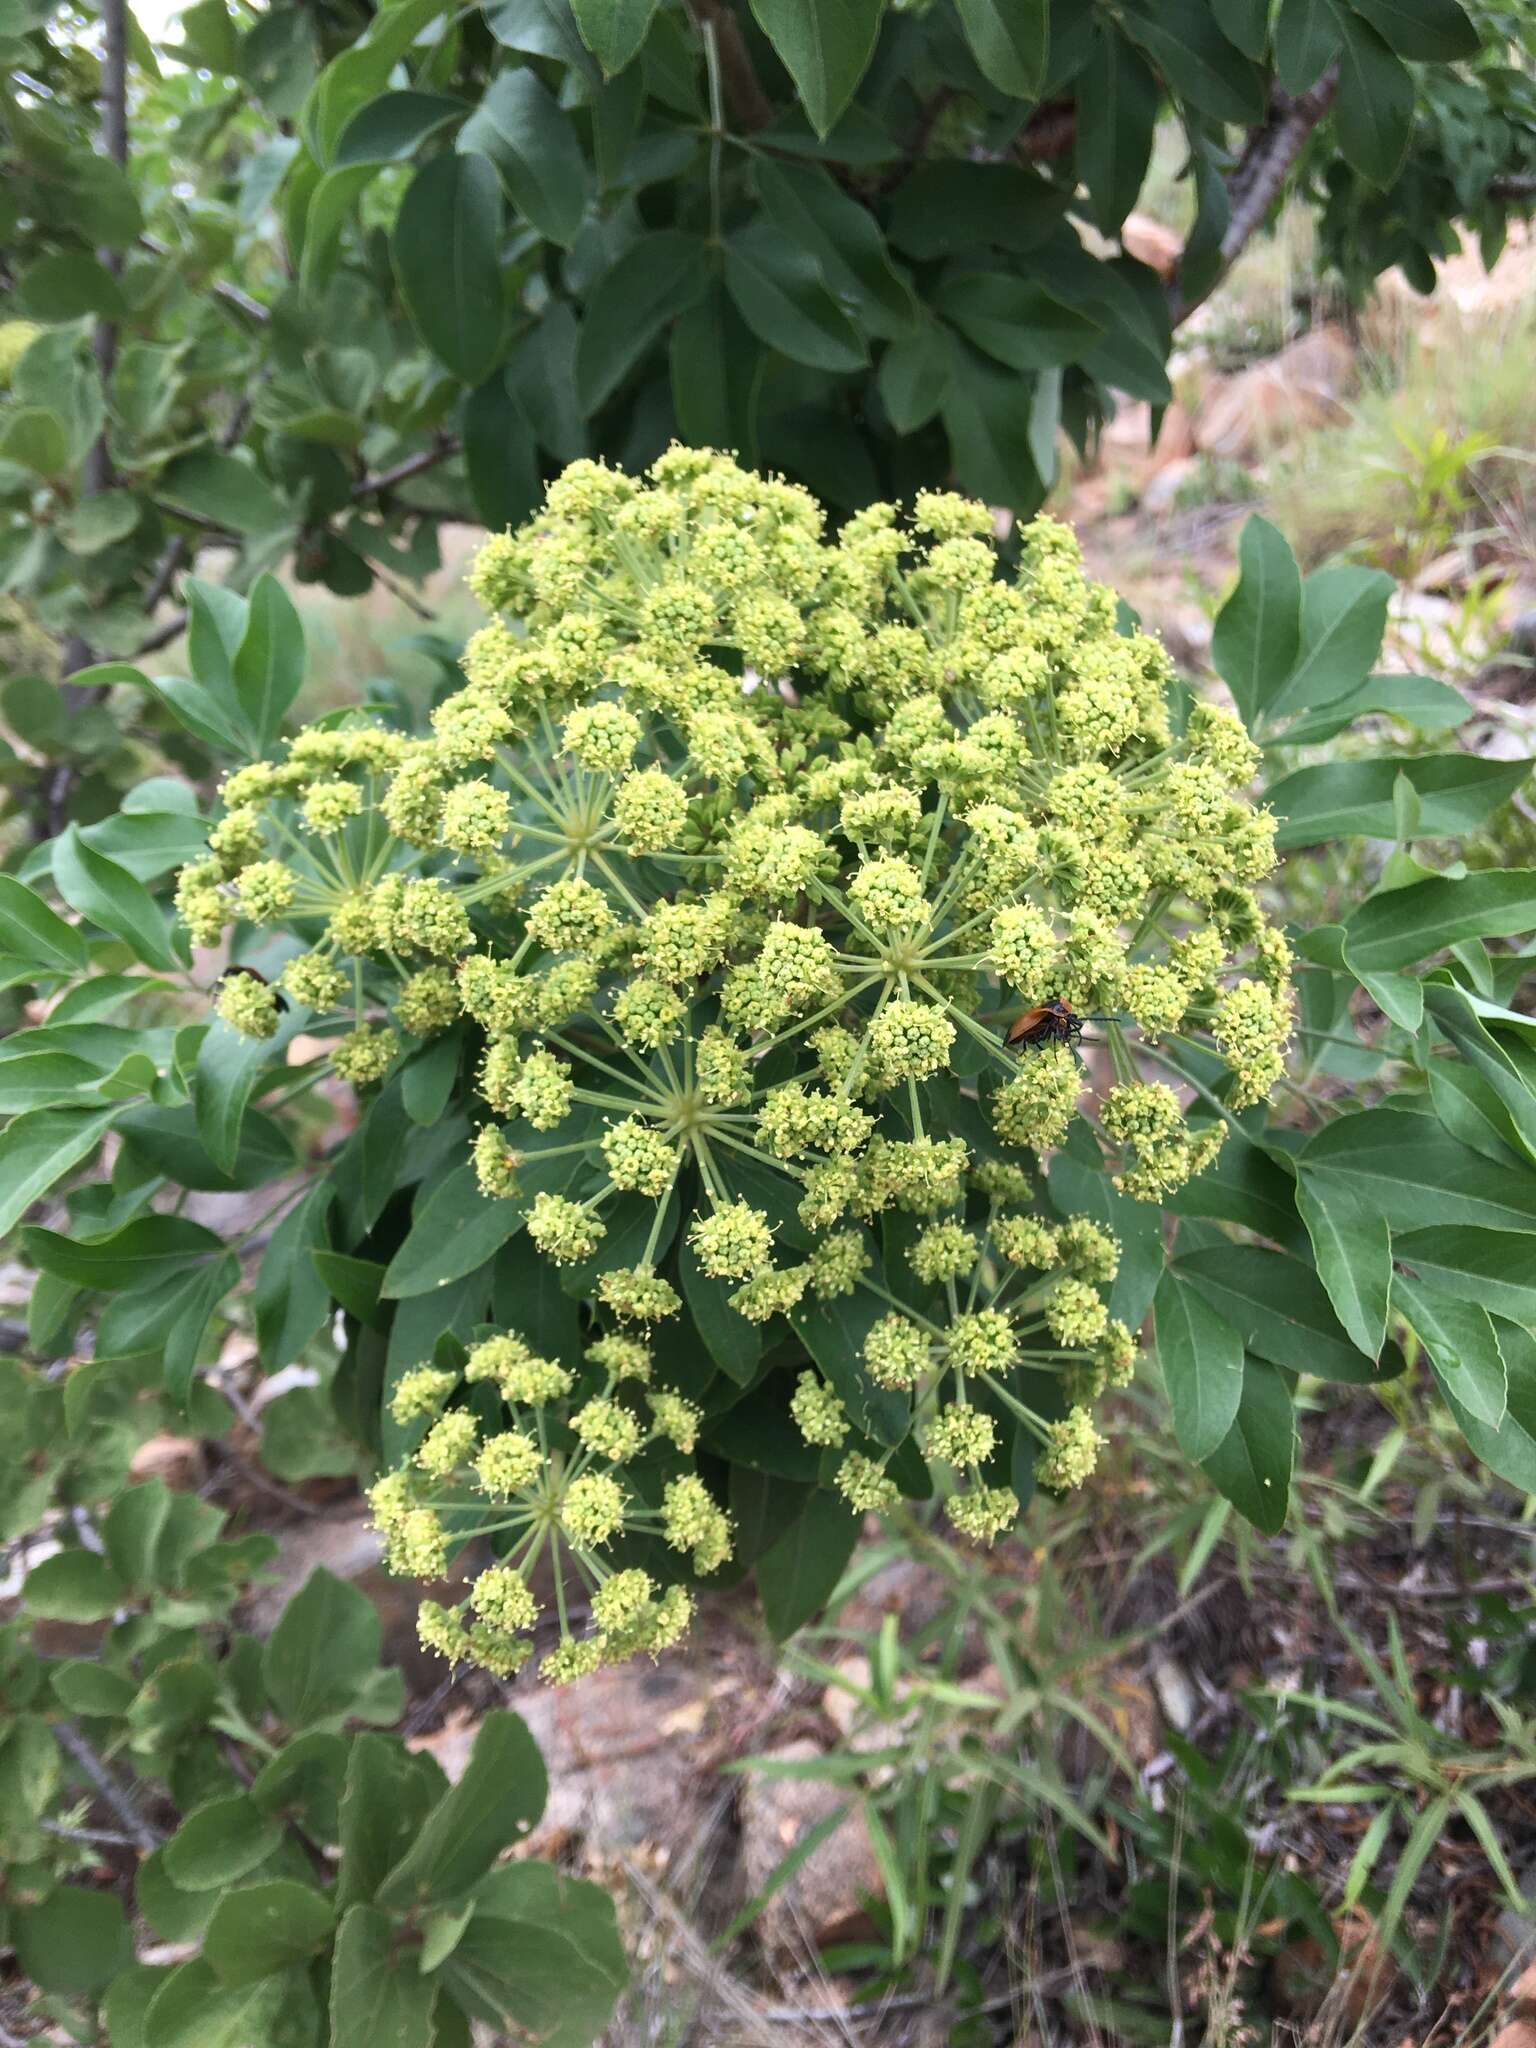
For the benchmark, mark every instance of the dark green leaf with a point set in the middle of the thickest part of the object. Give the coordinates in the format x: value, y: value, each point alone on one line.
x: 1456, y: 793
x: 1252, y: 1468
x: 379, y: 1997
x: 1016, y: 321
x: 495, y: 1802
x: 148, y: 1249
x: 654, y: 280
x: 613, y: 30
x: 778, y: 290
x: 1202, y: 1359
x: 1010, y: 41
x: 1400, y: 927
x: 259, y: 1928
x: 717, y: 367
x: 834, y: 1332
x: 33, y: 932
x: 1281, y: 1310
x: 1353, y: 1248
x: 110, y: 897
x: 38, y: 1149
x: 844, y: 237
x: 1433, y: 31
x: 75, y: 1941
x: 1307, y: 40
x: 1185, y: 40
x: 1462, y: 1345
x: 291, y: 1298
x: 914, y: 372
x: 387, y: 1795
x: 1116, y: 115
x: 825, y: 50
x: 1409, y: 1168
x: 518, y: 126
x: 1343, y: 617
x: 268, y: 667
x: 1257, y: 636
x: 454, y: 1232
x: 1373, y: 114
x: 391, y: 128
x: 1490, y: 1267
x: 223, y: 491
x: 796, y: 1575
x: 447, y: 256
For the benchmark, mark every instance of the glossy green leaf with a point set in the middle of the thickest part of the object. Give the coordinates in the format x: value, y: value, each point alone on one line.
x: 1409, y: 1168
x: 1252, y: 1466
x: 1510, y: 1449
x: 1373, y: 113
x: 844, y: 237
x: 148, y: 1249
x: 1455, y: 793
x: 655, y: 279
x: 32, y: 931
x: 1010, y: 40
x: 1492, y: 1268
x: 496, y: 1801
x: 38, y: 1149
x: 1400, y: 927
x: 1462, y: 1345
x: 825, y: 50
x: 1257, y: 636
x: 1201, y: 1355
x: 613, y: 30
x: 392, y: 127
x: 259, y: 1928
x: 447, y: 256
x: 518, y: 126
x: 1343, y: 618
x: 110, y: 897
x: 1353, y: 1248
x: 778, y: 290
x: 796, y: 1574
x: 456, y: 1231
x: 717, y: 367
x: 379, y: 1996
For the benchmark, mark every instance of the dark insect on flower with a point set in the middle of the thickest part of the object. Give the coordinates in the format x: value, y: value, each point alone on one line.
x: 1053, y: 1022
x: 255, y: 975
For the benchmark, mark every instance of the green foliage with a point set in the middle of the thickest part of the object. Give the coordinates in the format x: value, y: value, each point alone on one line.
x: 330, y: 1881
x: 471, y: 248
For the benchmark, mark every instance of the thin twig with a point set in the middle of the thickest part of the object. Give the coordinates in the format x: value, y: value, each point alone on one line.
x: 140, y: 1833
x: 751, y: 108
x: 231, y: 294
x: 413, y: 465
x: 1255, y: 184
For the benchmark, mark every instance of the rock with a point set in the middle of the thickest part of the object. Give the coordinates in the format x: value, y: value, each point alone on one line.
x: 824, y: 1902
x: 1523, y: 1990
x: 1165, y: 483
x: 1301, y: 387
x: 1175, y: 436
x: 916, y: 1593
x: 1518, y: 2033
x: 1151, y: 243
x: 1445, y: 572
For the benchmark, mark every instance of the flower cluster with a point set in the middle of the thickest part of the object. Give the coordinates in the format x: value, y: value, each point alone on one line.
x: 731, y: 865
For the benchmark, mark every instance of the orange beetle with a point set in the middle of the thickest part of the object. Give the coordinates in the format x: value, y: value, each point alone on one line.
x: 1053, y: 1022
